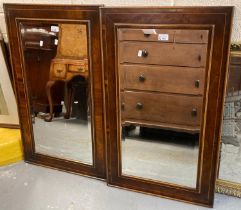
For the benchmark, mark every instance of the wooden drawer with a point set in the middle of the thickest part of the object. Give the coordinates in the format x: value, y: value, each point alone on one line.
x: 77, y: 68
x: 193, y: 55
x: 169, y: 35
x: 162, y: 108
x: 58, y: 70
x: 163, y: 78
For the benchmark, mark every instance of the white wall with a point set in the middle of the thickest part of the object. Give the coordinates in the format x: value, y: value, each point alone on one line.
x: 236, y: 36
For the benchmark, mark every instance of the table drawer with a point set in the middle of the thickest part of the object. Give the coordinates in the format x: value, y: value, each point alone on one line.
x: 163, y: 108
x: 58, y: 70
x: 78, y: 68
x: 193, y: 55
x: 163, y: 78
x: 164, y: 35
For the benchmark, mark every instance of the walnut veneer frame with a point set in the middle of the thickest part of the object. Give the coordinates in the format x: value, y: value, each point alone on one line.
x: 20, y: 13
x: 218, y: 21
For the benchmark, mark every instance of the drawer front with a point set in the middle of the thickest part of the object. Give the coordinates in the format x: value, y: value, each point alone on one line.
x: 59, y: 70
x: 164, y: 35
x: 126, y: 34
x: 163, y: 108
x: 192, y: 55
x: 78, y: 68
x: 163, y: 78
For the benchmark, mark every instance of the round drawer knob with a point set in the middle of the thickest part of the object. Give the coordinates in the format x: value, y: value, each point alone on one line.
x: 194, y: 112
x: 144, y: 53
x: 139, y: 106
x: 80, y: 69
x: 197, y: 83
x: 122, y: 106
x: 142, y: 78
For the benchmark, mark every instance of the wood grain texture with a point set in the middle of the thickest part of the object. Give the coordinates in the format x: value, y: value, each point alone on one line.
x: 65, y: 69
x: 177, y: 36
x: 17, y: 14
x: 175, y: 54
x: 72, y: 41
x: 218, y: 21
x: 159, y: 107
x: 161, y: 78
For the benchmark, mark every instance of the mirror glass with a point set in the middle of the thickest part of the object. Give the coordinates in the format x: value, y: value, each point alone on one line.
x: 161, y: 90
x: 230, y: 160
x: 58, y: 75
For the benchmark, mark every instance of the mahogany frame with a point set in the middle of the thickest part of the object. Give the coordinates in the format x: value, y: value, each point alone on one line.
x: 17, y: 13
x: 218, y: 20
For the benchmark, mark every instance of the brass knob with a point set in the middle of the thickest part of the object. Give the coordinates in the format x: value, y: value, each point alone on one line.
x: 197, y: 83
x: 142, y: 78
x: 122, y: 106
x: 139, y: 106
x: 144, y: 53
x: 194, y: 112
x: 81, y: 69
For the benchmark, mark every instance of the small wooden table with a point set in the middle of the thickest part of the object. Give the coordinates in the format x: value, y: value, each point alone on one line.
x: 63, y: 69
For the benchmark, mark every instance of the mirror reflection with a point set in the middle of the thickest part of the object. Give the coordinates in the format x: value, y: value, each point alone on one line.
x: 230, y: 160
x: 58, y: 79
x: 161, y: 77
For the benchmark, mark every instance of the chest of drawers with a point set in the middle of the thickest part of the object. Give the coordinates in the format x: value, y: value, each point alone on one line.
x: 162, y: 77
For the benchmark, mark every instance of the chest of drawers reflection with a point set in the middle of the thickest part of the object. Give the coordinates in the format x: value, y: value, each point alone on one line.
x: 162, y: 77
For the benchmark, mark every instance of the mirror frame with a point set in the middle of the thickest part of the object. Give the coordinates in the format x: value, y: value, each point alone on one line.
x: 11, y: 119
x: 218, y: 20
x: 228, y: 188
x: 17, y: 13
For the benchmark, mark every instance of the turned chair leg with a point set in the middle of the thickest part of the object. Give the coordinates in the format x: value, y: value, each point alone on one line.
x: 49, y: 86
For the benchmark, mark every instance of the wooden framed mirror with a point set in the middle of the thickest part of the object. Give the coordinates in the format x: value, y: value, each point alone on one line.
x: 165, y: 77
x: 56, y: 57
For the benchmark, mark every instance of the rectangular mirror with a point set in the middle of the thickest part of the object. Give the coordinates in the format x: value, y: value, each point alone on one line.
x: 161, y: 115
x: 60, y: 98
x: 229, y: 177
x: 58, y: 77
x: 165, y: 81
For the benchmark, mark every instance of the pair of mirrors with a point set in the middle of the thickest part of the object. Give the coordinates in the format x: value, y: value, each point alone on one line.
x: 137, y: 99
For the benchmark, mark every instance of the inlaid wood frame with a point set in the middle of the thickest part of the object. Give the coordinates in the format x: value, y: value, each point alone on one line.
x: 20, y: 13
x: 218, y: 21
